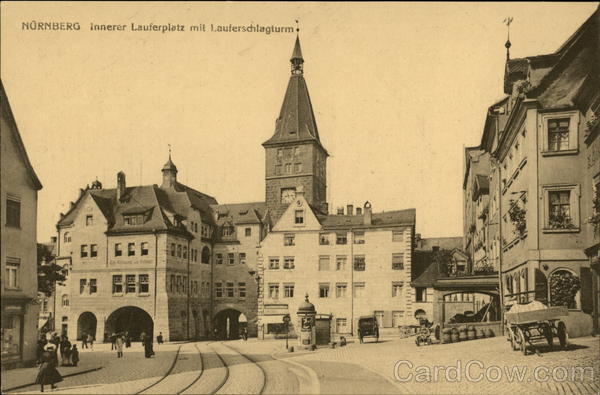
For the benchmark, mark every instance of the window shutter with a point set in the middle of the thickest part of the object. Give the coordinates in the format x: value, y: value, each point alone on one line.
x: 587, y: 297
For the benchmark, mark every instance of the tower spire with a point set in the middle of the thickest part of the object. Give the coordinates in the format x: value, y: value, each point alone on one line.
x: 508, y: 21
x: 297, y: 60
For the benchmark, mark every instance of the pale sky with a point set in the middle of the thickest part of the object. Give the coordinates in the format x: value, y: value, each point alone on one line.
x: 398, y: 89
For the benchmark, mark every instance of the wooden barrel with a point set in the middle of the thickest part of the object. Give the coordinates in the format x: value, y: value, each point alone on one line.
x: 471, y: 333
x: 447, y: 335
x: 454, y: 335
x: 489, y: 332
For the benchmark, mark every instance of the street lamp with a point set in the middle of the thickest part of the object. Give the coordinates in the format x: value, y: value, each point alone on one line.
x: 286, y: 323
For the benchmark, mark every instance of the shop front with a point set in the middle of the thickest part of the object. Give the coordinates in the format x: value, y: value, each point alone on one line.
x: 13, y: 317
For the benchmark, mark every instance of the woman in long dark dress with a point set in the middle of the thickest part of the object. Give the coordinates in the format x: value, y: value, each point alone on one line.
x: 48, y: 373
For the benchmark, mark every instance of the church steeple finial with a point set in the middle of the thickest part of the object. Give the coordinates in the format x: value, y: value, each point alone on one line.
x: 508, y: 21
x: 169, y: 172
x: 297, y: 60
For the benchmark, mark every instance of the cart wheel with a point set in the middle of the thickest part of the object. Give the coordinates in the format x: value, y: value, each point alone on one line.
x: 548, y: 335
x: 523, y: 344
x: 513, y: 341
x: 563, y: 337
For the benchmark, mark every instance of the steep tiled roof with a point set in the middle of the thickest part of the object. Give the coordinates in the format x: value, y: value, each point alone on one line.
x: 428, y: 277
x: 240, y: 213
x: 387, y: 218
x: 10, y: 119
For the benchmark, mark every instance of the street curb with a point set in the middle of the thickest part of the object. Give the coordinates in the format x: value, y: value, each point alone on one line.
x: 66, y: 375
x: 315, y: 388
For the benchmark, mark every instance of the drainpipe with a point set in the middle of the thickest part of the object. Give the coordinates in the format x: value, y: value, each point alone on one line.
x: 500, y: 252
x: 189, y: 280
x: 155, y: 272
x: 351, y: 281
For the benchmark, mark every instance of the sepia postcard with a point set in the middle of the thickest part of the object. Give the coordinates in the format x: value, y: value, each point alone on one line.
x: 300, y: 197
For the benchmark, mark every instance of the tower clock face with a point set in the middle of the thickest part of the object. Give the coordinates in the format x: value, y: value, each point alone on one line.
x: 288, y: 195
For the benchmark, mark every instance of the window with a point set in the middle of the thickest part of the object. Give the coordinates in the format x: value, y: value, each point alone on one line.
x: 179, y: 285
x: 341, y: 325
x: 117, y: 284
x: 205, y: 230
x: 323, y: 290
x: 279, y: 154
x: 340, y: 262
x: 67, y: 237
x: 130, y: 283
x: 144, y: 248
x: 297, y: 167
x: 248, y: 232
x: 231, y: 258
x: 299, y: 216
x: 323, y: 263
x: 13, y: 212
x: 228, y: 230
x: 296, y: 151
x: 277, y: 170
x: 93, y: 286
x: 398, y: 261
x: 242, y: 258
x: 359, y: 263
x: 118, y: 249
x: 219, y: 290
x: 178, y: 250
x: 173, y: 249
x: 84, y: 251
x: 219, y: 259
x: 397, y: 236
x: 241, y: 290
x: 288, y: 168
x: 288, y: 290
x: 397, y: 318
x: 65, y: 300
x: 274, y: 291
x: 205, y: 255
x: 324, y: 239
x: 288, y: 239
x: 94, y: 250
x: 421, y: 294
x: 89, y: 220
x: 184, y: 254
x: 561, y: 208
x: 229, y: 290
x: 274, y: 263
x: 172, y: 288
x: 144, y: 283
x: 396, y: 289
x: 82, y: 285
x: 134, y: 219
x: 341, y: 238
x: 131, y: 249
x: 340, y: 290
x: 359, y: 237
x: 359, y: 290
x: 558, y: 134
x: 13, y: 267
x: 288, y: 262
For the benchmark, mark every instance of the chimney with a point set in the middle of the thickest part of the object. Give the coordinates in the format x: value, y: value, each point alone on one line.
x: 350, y: 209
x: 359, y: 211
x: 120, y: 185
x: 340, y: 211
x: 368, y: 216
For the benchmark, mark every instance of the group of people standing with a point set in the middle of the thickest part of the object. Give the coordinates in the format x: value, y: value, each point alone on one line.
x: 47, y: 358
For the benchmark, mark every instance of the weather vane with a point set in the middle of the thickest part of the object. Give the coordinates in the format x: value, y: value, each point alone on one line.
x: 297, y: 26
x: 508, y: 20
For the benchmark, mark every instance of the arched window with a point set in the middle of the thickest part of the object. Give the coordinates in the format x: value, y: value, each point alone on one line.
x: 205, y: 255
x: 564, y: 288
x: 65, y: 300
x: 67, y: 237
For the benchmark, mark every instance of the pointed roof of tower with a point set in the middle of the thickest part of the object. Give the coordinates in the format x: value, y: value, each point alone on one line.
x: 296, y: 121
x: 169, y: 165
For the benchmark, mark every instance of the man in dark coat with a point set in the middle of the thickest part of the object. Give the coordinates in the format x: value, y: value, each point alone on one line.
x: 48, y: 373
x: 148, y: 351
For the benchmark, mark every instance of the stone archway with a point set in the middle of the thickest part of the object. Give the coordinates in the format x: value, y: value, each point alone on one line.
x: 130, y: 319
x: 227, y: 324
x: 86, y: 325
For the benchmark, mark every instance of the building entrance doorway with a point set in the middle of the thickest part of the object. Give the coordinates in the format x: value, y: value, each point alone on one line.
x: 227, y: 324
x: 86, y: 325
x: 130, y: 319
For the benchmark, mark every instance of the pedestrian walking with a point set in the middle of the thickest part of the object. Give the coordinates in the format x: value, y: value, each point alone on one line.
x: 90, y: 341
x: 65, y: 350
x: 159, y: 338
x: 113, y: 339
x: 127, y: 340
x: 48, y: 373
x: 148, y: 351
x: 84, y: 341
x: 74, y: 355
x: 119, y: 345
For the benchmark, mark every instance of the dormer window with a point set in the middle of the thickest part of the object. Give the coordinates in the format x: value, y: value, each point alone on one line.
x: 228, y: 230
x: 137, y: 219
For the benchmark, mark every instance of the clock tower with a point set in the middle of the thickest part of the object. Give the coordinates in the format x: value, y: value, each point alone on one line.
x: 294, y: 155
